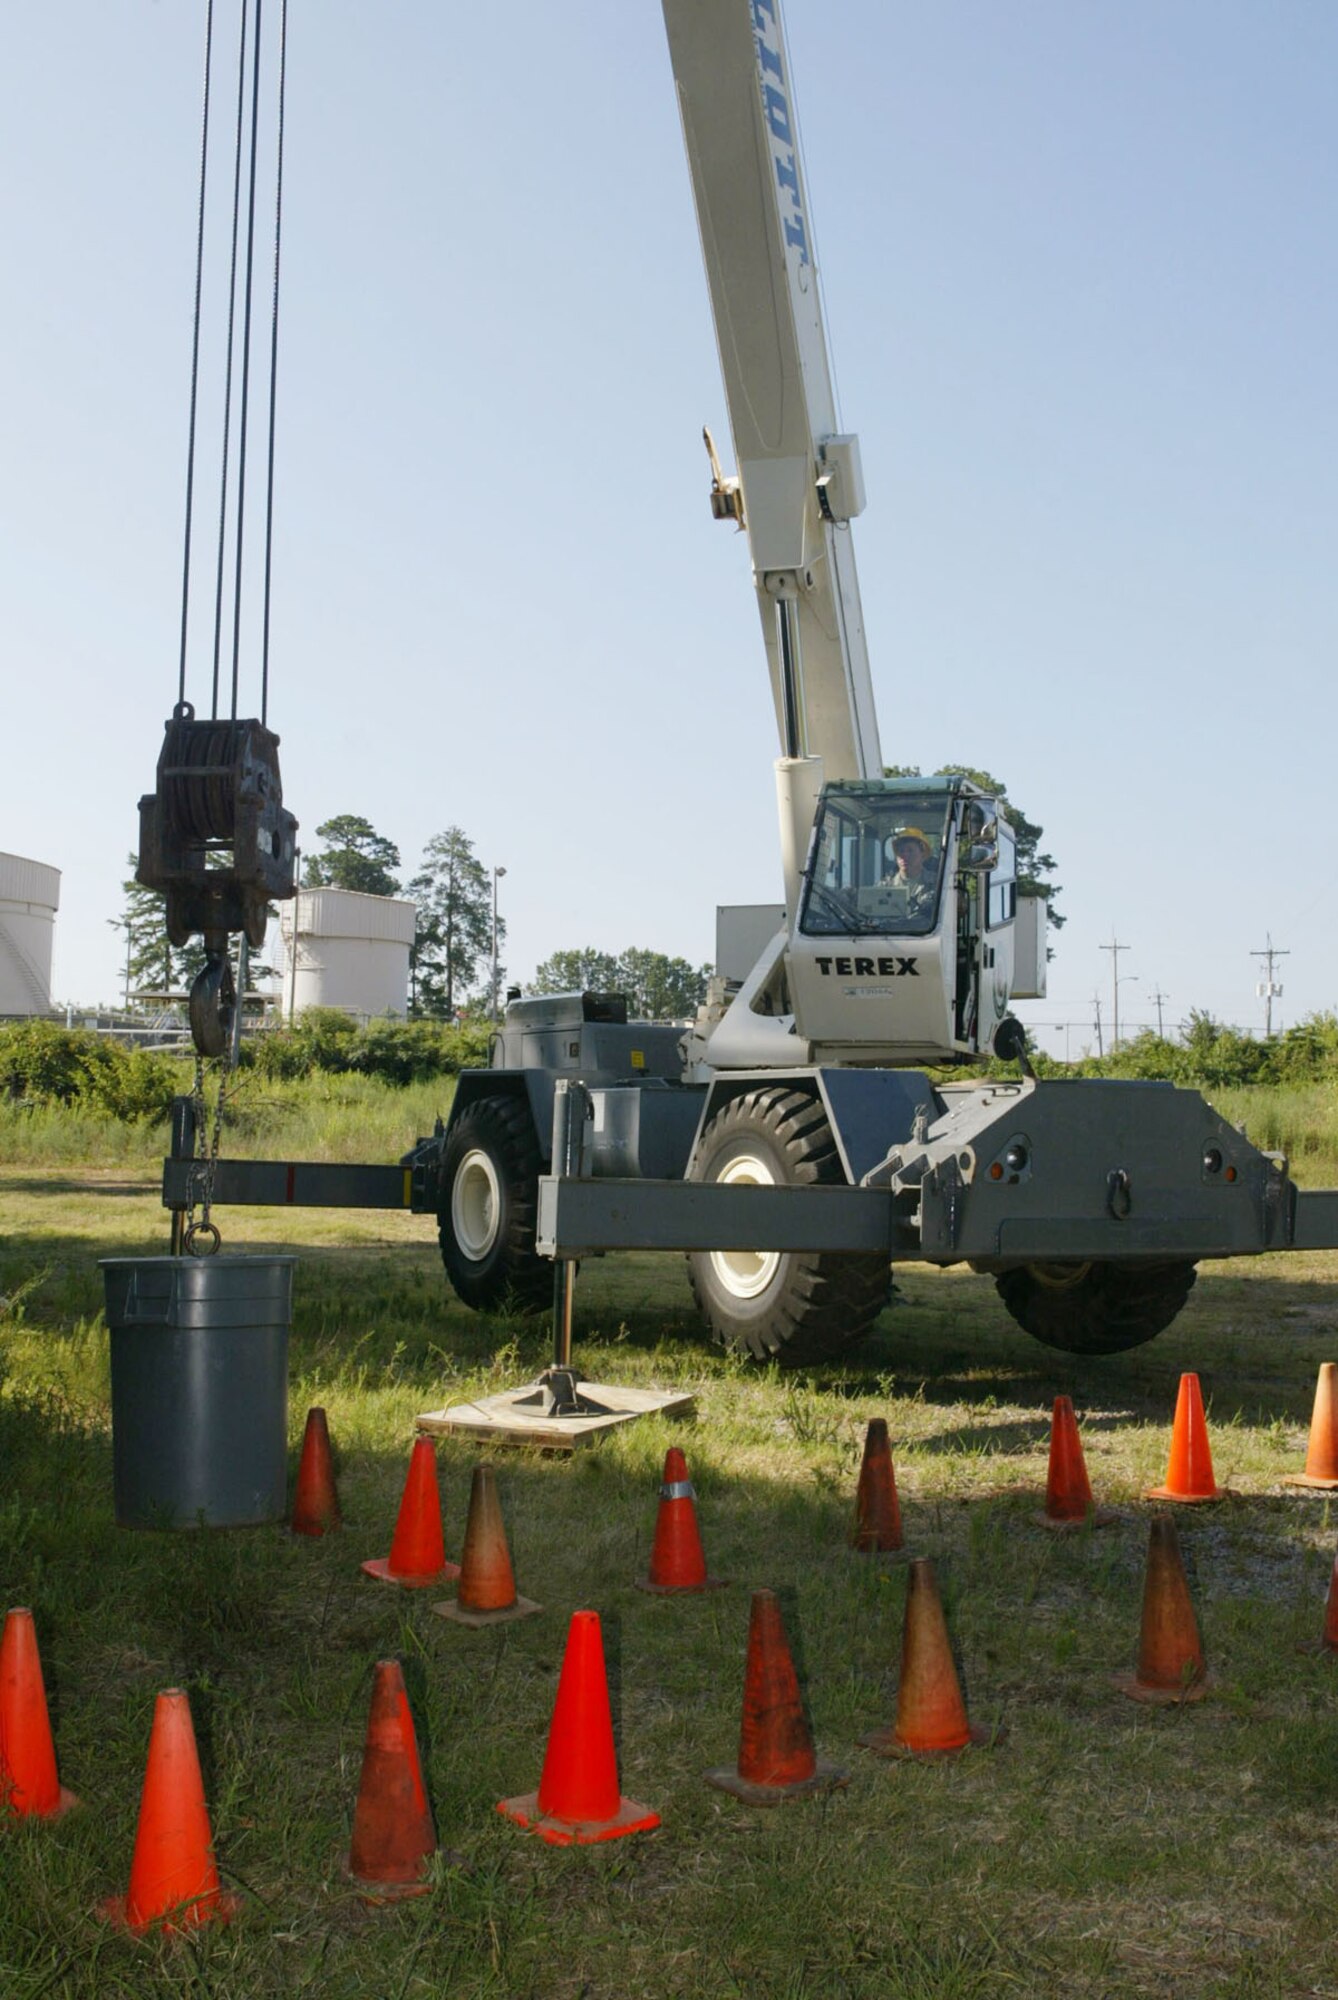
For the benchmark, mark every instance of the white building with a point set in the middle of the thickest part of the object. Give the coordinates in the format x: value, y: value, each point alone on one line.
x: 342, y: 949
x: 29, y: 899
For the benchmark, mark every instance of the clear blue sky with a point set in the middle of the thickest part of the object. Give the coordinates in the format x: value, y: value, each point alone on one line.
x: 1080, y: 275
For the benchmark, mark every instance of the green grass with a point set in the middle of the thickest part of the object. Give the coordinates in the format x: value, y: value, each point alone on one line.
x: 1101, y: 1850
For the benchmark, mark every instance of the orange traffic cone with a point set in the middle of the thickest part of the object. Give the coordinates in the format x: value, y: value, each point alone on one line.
x: 1068, y: 1492
x: 315, y: 1501
x: 417, y: 1551
x: 393, y: 1836
x: 677, y: 1558
x: 1189, y: 1476
x: 578, y: 1798
x: 877, y: 1529
x: 173, y: 1875
x: 487, y: 1594
x: 1321, y: 1460
x: 1170, y: 1654
x: 776, y: 1755
x: 29, y: 1786
x: 931, y: 1715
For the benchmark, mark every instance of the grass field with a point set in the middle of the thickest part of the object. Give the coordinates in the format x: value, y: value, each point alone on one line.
x: 1102, y: 1849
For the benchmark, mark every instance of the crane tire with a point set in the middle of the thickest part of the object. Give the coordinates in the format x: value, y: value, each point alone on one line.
x: 490, y: 1206
x: 1095, y: 1308
x: 797, y: 1307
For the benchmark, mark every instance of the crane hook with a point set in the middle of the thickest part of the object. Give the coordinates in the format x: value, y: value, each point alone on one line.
x: 213, y: 1004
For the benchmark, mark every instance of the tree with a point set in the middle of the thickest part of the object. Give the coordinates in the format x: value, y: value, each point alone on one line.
x: 657, y: 988
x: 356, y: 857
x: 151, y: 963
x: 454, y: 898
x: 583, y: 970
x: 1032, y: 866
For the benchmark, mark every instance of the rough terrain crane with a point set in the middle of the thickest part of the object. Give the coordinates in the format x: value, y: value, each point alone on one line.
x: 788, y: 1140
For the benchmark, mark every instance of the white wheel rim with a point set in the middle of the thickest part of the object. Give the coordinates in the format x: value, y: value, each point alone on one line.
x: 745, y: 1274
x: 476, y: 1205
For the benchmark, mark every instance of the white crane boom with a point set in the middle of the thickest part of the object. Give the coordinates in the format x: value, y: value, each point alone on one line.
x: 798, y: 474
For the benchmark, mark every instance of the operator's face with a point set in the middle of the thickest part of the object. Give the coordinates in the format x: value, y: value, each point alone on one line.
x: 910, y: 858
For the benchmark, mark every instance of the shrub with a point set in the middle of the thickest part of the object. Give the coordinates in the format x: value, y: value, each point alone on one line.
x: 41, y: 1063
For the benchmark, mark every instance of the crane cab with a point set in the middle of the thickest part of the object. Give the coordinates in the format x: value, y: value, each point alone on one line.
x: 902, y: 949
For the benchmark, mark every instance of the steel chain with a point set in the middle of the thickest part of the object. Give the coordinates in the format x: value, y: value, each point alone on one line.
x: 203, y: 1174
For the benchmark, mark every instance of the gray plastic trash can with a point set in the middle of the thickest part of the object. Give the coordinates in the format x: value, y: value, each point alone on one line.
x: 199, y: 1382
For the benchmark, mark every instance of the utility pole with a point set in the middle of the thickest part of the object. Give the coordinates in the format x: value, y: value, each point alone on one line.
x: 1115, y: 948
x: 497, y: 873
x: 1157, y: 999
x: 1268, y: 989
x: 1096, y: 1005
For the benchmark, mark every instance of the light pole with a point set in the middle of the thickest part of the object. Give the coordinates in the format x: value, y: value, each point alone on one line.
x: 497, y: 875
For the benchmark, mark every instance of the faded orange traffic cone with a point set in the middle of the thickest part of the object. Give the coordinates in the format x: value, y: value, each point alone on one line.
x: 315, y: 1500
x: 1068, y: 1491
x: 578, y: 1798
x: 173, y: 1875
x: 29, y: 1786
x: 776, y: 1755
x: 931, y: 1715
x: 1171, y: 1666
x: 877, y: 1529
x: 393, y: 1835
x: 677, y: 1558
x: 1321, y: 1459
x: 1189, y: 1475
x: 487, y: 1594
x: 417, y: 1551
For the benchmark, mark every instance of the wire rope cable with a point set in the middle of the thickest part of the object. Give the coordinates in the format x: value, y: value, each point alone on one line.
x: 228, y: 363
x: 273, y: 370
x: 239, y: 537
x: 195, y: 350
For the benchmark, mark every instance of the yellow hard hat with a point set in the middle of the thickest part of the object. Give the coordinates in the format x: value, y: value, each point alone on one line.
x: 913, y: 833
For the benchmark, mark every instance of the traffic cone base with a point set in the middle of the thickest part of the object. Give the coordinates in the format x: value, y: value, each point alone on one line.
x: 65, y: 1802
x: 1161, y: 1697
x: 315, y: 1499
x: 826, y: 1778
x: 1095, y: 1517
x: 1308, y: 1479
x: 218, y: 1908
x: 379, y: 1567
x: 886, y: 1743
x: 459, y: 1614
x: 1165, y: 1493
x: 631, y: 1817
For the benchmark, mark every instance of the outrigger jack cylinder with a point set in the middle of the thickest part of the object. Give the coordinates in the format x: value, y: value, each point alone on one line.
x: 215, y: 838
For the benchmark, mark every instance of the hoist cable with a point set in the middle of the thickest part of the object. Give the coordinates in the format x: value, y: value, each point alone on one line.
x: 227, y: 373
x: 195, y: 348
x: 239, y: 535
x: 273, y: 369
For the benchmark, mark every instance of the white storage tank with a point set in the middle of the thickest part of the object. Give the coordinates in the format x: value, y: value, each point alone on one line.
x: 342, y: 949
x: 29, y: 899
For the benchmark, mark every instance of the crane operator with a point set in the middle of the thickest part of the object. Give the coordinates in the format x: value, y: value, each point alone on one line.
x: 915, y: 877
